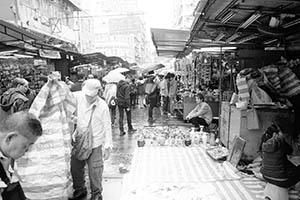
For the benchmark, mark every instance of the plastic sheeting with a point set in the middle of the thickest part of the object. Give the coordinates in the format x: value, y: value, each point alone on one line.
x: 45, y: 169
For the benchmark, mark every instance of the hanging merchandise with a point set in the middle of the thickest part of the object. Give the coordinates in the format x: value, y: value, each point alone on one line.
x: 23, y: 68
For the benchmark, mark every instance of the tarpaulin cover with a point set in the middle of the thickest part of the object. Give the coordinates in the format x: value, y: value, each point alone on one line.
x: 45, y: 169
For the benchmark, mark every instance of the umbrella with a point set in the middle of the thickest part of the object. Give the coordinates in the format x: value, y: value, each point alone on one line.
x: 113, y: 77
x: 153, y: 68
x: 120, y: 70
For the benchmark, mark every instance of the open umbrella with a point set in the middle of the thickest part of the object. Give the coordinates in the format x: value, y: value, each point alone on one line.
x: 120, y: 70
x: 113, y: 77
x: 153, y: 68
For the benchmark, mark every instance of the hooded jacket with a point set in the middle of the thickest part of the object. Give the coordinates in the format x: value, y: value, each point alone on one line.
x: 123, y: 94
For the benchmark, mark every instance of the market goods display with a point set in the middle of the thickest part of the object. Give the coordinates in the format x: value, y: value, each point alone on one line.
x: 218, y: 153
x: 173, y: 136
x: 24, y: 68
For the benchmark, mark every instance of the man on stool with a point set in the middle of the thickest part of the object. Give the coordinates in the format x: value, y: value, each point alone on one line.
x: 201, y: 115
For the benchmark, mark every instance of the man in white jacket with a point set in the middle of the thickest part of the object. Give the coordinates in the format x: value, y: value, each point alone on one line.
x: 87, y: 100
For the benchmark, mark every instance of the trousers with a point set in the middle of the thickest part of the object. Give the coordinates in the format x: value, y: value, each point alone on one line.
x: 121, y: 118
x: 95, y: 170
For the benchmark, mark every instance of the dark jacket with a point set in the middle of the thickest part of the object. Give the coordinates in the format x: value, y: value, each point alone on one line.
x: 13, y: 100
x: 140, y: 88
x: 77, y: 86
x: 275, y: 163
x: 123, y: 94
x: 152, y: 91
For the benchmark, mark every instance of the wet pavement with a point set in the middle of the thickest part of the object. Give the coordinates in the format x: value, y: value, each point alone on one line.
x: 124, y: 145
x: 123, y: 148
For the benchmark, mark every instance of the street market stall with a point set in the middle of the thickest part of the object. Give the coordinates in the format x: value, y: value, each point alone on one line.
x: 28, y: 68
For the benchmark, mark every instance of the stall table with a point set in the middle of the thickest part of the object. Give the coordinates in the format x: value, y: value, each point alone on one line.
x: 233, y: 123
x: 175, y: 173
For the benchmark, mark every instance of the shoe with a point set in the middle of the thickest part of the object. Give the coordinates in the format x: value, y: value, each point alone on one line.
x: 78, y: 195
x: 123, y: 133
x: 151, y: 120
x: 96, y: 197
x: 132, y: 130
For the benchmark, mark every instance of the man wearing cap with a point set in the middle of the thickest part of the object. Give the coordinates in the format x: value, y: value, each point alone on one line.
x: 87, y: 101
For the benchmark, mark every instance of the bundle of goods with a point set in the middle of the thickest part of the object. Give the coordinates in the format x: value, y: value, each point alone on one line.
x: 218, y: 153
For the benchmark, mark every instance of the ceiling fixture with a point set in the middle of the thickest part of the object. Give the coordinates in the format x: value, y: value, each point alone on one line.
x: 219, y: 37
x: 250, y: 20
x: 270, y: 41
x: 274, y: 22
x: 292, y: 23
x: 245, y: 39
x: 227, y: 17
x: 233, y: 37
x: 214, y: 49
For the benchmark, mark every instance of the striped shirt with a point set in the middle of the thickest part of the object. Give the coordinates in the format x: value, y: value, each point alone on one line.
x: 100, y: 124
x: 272, y: 74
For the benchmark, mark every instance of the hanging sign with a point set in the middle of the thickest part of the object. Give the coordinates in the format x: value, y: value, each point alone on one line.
x: 49, y: 54
x: 37, y: 62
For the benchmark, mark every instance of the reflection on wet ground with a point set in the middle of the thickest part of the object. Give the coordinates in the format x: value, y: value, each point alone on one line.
x: 125, y: 145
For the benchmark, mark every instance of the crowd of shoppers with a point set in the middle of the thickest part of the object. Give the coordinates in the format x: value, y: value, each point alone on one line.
x: 79, y: 107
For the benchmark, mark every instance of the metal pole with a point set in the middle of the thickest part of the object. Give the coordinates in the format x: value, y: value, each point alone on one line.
x: 220, y: 88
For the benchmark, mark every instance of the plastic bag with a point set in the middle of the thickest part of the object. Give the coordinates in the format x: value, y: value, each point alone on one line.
x: 252, y: 119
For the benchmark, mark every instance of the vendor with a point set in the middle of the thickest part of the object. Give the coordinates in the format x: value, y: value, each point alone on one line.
x: 201, y: 115
x: 276, y: 145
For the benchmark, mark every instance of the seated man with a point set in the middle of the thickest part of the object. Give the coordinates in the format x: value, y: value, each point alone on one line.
x: 201, y: 115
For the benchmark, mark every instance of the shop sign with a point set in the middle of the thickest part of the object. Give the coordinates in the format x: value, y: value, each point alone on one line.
x: 49, y: 54
x: 38, y: 62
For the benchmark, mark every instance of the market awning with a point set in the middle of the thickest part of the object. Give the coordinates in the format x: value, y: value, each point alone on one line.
x: 12, y: 34
x: 169, y: 42
x: 255, y: 23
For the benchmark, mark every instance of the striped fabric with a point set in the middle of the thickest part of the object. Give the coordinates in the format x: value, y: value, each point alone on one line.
x: 180, y: 167
x: 289, y: 82
x: 45, y: 168
x: 243, y: 89
x: 271, y: 73
x: 256, y: 187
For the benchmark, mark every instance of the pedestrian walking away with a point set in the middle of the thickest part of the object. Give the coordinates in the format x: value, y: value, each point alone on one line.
x: 123, y: 102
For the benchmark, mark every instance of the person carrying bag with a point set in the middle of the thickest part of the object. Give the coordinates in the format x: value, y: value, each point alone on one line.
x: 82, y: 142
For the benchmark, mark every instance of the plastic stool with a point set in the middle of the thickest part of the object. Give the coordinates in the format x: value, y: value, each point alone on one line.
x: 274, y: 192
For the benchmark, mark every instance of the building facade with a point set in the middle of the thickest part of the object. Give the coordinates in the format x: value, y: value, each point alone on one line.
x: 183, y: 13
x: 119, y: 29
x: 57, y: 20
